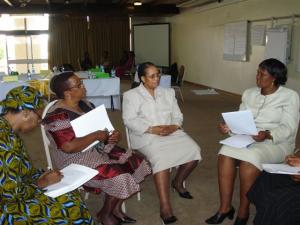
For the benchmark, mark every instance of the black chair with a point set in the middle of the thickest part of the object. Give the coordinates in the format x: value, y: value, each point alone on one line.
x: 173, y: 71
x: 66, y: 67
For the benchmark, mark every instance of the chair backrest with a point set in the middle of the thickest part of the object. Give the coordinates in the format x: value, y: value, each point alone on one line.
x: 180, y: 75
x: 173, y: 71
x: 46, y: 141
x: 66, y: 67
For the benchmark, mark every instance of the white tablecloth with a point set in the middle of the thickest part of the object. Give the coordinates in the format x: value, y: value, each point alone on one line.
x: 102, y: 90
x: 99, y: 91
x: 5, y: 87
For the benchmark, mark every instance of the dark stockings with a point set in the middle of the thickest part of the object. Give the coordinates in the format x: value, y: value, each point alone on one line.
x: 226, y: 176
x: 161, y: 180
x: 106, y: 215
x: 182, y: 174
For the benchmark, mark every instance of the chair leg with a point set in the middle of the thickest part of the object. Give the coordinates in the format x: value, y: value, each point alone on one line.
x: 86, y: 196
x: 181, y: 94
x: 124, y: 207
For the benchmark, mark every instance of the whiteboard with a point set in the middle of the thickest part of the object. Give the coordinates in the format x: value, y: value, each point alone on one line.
x: 235, y: 41
x: 151, y: 43
x: 276, y: 46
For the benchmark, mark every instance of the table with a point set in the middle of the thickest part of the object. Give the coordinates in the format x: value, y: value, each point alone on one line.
x: 36, y: 81
x: 102, y: 91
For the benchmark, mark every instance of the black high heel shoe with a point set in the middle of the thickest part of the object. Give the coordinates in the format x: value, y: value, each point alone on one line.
x: 125, y: 219
x: 240, y: 221
x: 185, y: 194
x: 168, y: 220
x: 219, y: 217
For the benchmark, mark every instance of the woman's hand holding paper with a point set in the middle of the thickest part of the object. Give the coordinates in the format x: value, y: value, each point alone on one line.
x: 262, y: 135
x: 115, y: 137
x: 293, y: 160
x: 102, y: 135
x: 49, y: 177
x: 223, y: 128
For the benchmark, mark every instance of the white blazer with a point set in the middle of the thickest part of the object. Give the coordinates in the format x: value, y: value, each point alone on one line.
x: 141, y: 110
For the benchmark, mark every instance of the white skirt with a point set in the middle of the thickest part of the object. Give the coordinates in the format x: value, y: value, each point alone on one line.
x: 165, y: 152
x: 257, y: 153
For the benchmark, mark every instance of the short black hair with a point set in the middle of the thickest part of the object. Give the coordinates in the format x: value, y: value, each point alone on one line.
x: 276, y: 69
x: 59, y: 84
x: 142, y: 69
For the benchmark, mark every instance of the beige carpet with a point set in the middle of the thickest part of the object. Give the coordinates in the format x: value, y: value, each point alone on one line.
x: 201, y: 116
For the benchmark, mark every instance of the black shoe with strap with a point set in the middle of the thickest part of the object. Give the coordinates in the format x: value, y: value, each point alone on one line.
x: 219, y: 217
x: 184, y: 194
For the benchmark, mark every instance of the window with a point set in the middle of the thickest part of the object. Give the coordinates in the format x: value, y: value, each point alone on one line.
x: 23, y: 43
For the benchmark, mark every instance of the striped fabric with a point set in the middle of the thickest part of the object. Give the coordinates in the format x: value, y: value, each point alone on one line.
x: 277, y: 200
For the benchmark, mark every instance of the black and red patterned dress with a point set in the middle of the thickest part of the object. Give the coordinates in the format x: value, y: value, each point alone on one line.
x: 114, y: 178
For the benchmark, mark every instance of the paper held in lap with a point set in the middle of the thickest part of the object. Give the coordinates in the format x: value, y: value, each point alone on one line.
x: 74, y: 176
x: 281, y: 169
x: 94, y: 120
x: 241, y: 124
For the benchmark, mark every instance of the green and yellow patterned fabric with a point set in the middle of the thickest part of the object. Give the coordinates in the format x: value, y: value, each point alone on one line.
x: 23, y: 97
x: 22, y: 202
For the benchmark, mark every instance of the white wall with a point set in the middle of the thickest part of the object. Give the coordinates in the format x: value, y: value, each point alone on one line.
x: 198, y: 37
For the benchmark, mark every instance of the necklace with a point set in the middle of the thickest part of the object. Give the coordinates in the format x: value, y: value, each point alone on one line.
x: 260, y: 107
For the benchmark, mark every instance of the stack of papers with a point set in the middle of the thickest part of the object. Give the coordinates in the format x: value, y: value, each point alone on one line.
x: 242, y: 125
x: 281, y: 169
x: 205, y: 92
x: 74, y: 176
x: 94, y: 120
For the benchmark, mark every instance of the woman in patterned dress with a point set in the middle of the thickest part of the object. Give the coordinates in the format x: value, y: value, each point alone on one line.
x: 21, y: 185
x: 120, y: 172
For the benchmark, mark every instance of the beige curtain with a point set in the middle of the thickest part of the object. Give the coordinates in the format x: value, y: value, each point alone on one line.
x: 108, y: 34
x: 68, y: 40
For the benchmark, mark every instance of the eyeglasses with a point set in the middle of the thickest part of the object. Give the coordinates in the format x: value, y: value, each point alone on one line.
x: 80, y: 85
x: 153, y: 76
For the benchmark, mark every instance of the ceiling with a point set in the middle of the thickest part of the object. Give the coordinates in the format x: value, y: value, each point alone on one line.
x: 107, y: 7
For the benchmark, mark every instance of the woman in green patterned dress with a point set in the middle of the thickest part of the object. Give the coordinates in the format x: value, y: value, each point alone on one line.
x: 21, y: 185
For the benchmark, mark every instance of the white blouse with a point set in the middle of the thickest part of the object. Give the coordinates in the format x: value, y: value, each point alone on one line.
x: 141, y: 110
x: 277, y: 112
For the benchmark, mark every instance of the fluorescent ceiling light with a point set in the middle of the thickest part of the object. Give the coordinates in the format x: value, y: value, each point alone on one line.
x: 8, y: 2
x: 137, y: 3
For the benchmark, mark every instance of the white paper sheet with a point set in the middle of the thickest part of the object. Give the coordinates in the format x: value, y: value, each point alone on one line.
x: 240, y: 122
x: 74, y: 176
x: 210, y: 91
x: 281, y: 169
x: 238, y: 141
x: 96, y: 119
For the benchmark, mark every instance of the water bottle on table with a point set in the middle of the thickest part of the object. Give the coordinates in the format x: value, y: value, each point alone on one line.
x: 113, y: 72
x: 28, y: 75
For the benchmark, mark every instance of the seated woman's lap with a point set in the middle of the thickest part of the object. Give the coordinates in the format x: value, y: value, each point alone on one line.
x: 169, y: 151
x: 256, y: 154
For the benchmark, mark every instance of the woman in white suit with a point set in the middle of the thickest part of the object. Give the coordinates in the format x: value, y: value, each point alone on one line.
x: 154, y: 120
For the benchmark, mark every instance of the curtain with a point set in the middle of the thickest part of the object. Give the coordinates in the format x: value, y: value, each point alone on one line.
x: 68, y: 40
x: 71, y: 36
x: 108, y: 34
